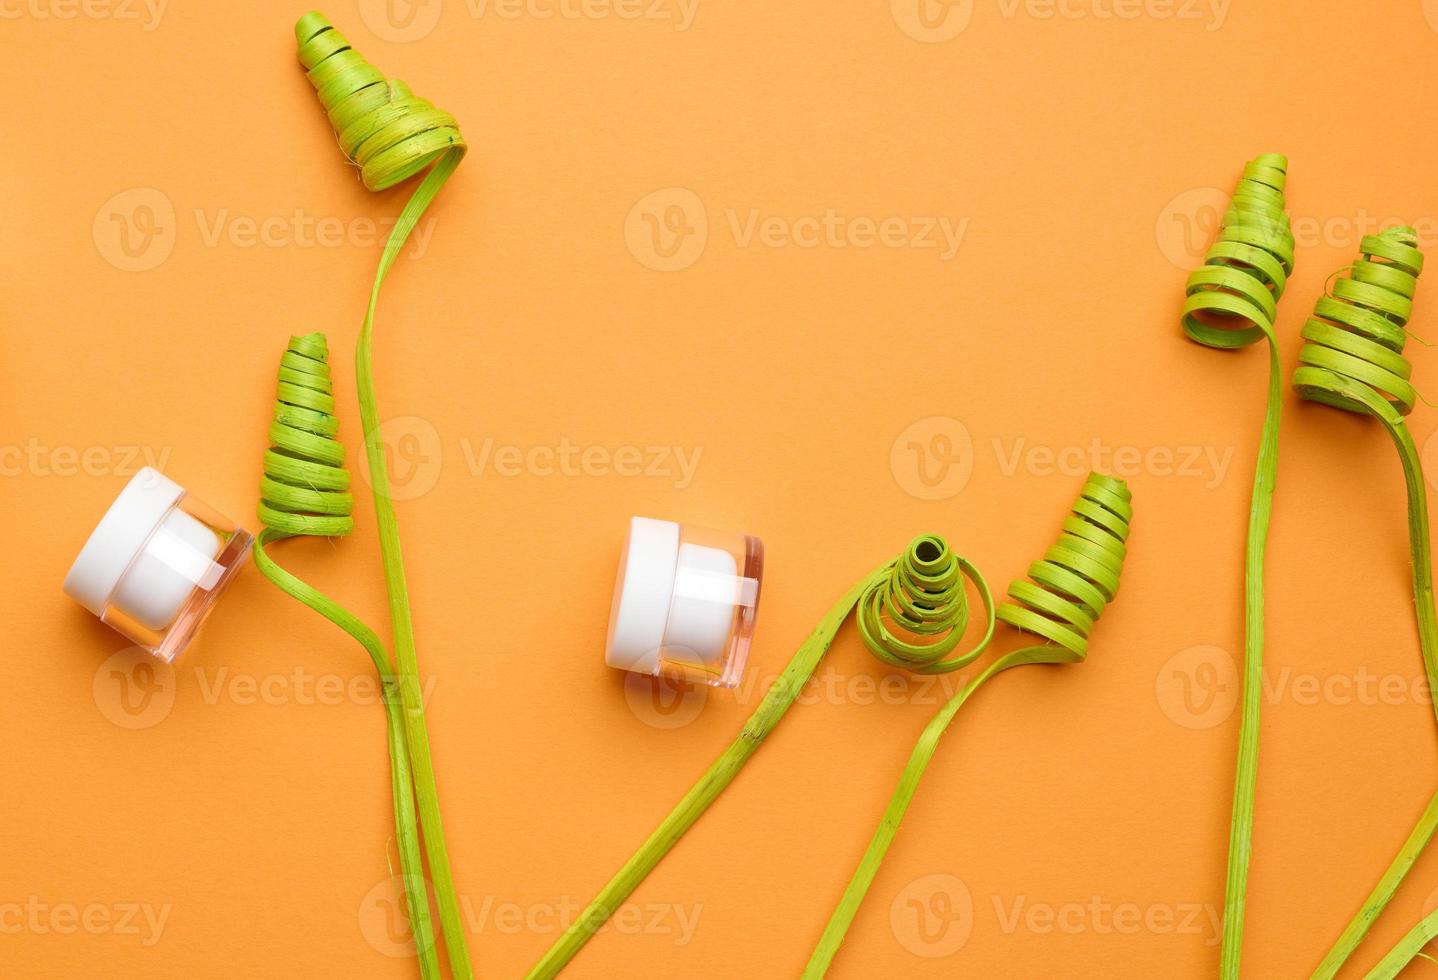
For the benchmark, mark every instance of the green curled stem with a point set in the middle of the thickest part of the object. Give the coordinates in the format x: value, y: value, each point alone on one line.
x: 391, y: 135
x: 305, y: 491
x: 1232, y: 300
x: 1071, y: 585
x: 1353, y: 360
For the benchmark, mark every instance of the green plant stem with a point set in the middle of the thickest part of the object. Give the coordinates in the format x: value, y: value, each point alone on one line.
x: 1421, y: 551
x: 1240, y: 837
x: 888, y: 827
x: 1357, y: 928
x: 411, y: 691
x: 776, y: 702
x: 402, y: 790
x: 1382, y: 893
x: 1408, y: 948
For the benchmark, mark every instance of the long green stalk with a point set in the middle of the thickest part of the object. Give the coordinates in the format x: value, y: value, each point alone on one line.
x: 1240, y: 834
x: 401, y: 784
x: 1357, y: 928
x: 401, y: 623
x: 716, y: 778
x: 928, y: 744
x: 1232, y: 301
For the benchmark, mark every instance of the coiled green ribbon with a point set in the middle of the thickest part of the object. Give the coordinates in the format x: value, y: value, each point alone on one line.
x: 1231, y: 302
x: 391, y: 135
x: 1069, y: 589
x: 1353, y: 360
x: 913, y: 613
x: 305, y: 487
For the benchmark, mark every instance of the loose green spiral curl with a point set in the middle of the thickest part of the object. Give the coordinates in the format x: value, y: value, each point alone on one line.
x: 912, y: 613
x: 1246, y: 270
x: 391, y: 134
x: 304, y: 491
x: 916, y: 615
x: 1231, y: 301
x: 386, y: 130
x: 1353, y: 360
x: 1078, y: 576
x: 1069, y: 589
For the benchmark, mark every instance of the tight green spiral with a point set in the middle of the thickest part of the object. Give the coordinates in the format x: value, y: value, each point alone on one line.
x: 1247, y: 268
x: 1353, y: 358
x: 915, y: 616
x: 1078, y: 576
x: 305, y: 486
x: 385, y: 129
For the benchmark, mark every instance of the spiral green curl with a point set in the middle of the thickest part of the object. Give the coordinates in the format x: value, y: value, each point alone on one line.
x: 1072, y: 584
x: 1352, y: 359
x: 305, y: 487
x: 386, y: 130
x: 1078, y: 576
x: 915, y: 616
x: 1246, y: 270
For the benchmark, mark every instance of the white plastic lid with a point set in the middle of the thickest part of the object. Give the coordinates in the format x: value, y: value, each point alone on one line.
x: 707, y: 587
x: 119, y: 537
x: 642, y: 593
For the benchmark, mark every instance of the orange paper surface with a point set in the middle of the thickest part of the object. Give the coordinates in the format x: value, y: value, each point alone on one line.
x: 835, y: 274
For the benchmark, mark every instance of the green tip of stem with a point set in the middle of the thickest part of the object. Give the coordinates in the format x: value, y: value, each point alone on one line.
x: 311, y: 24
x: 312, y: 344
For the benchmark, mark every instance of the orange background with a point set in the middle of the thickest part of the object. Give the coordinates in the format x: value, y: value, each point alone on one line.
x: 251, y: 810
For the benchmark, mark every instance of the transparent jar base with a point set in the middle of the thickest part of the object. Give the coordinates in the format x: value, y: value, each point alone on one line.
x: 679, y: 663
x: 685, y: 602
x: 169, y: 641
